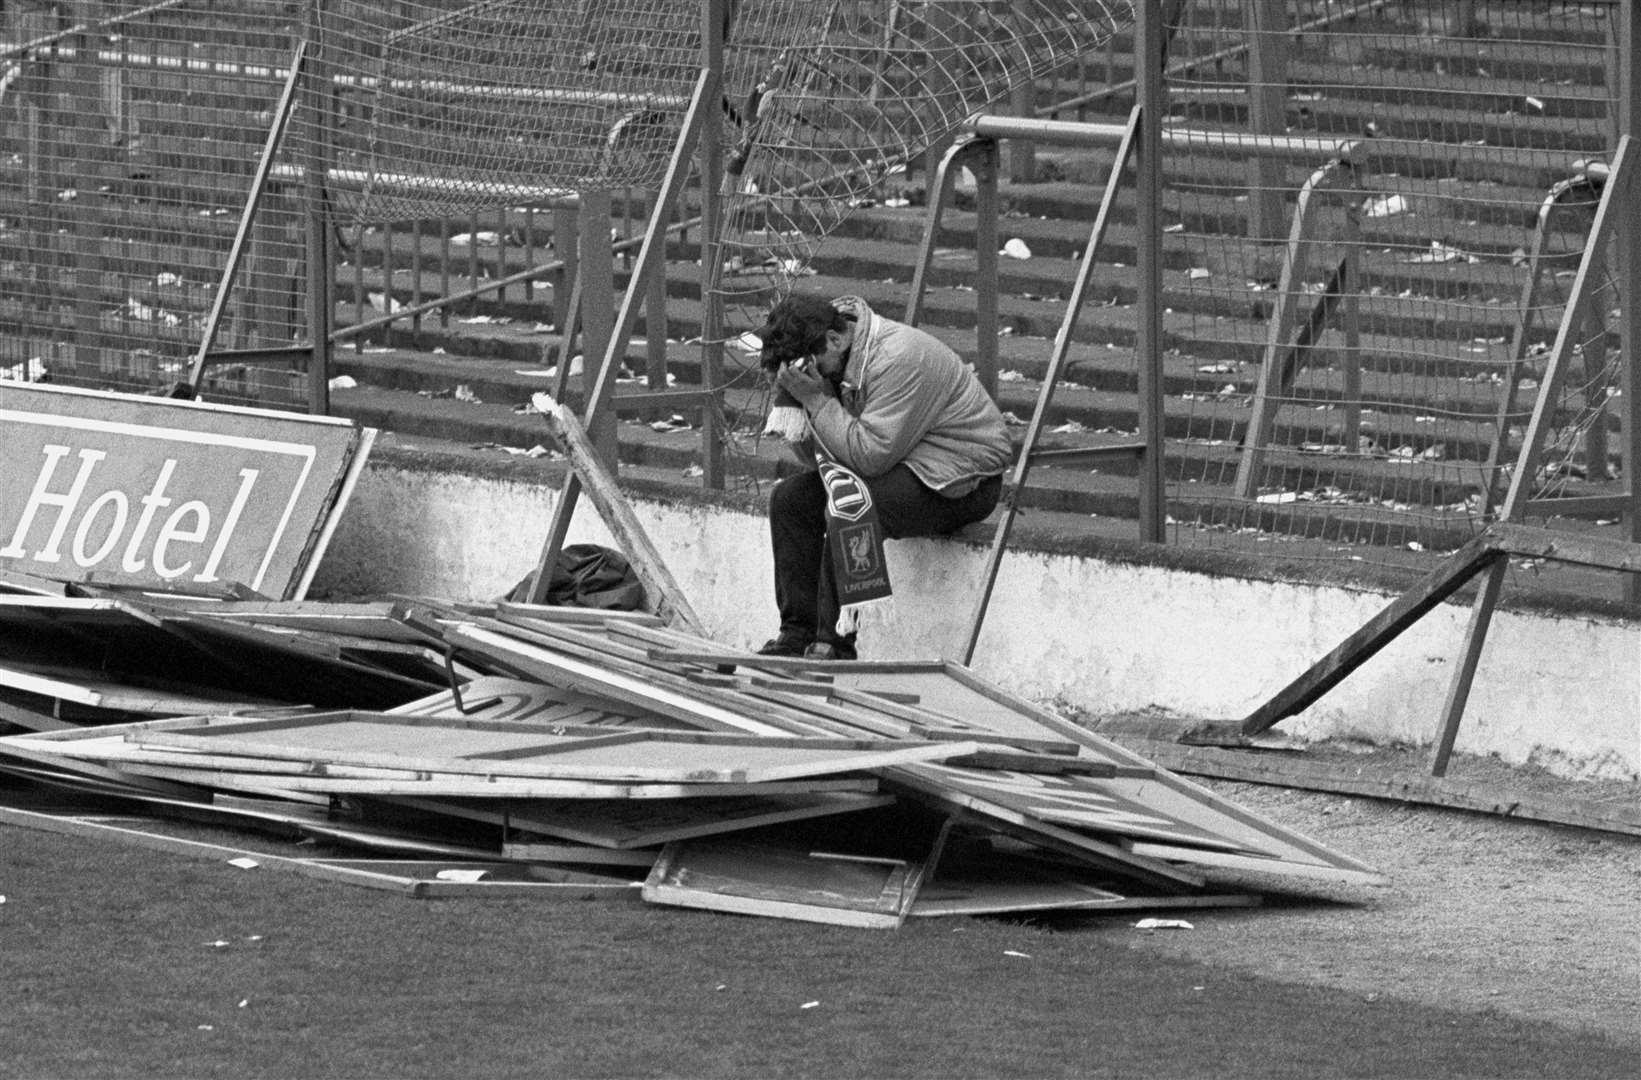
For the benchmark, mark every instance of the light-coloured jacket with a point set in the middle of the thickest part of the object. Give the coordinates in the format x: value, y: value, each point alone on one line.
x: 907, y: 397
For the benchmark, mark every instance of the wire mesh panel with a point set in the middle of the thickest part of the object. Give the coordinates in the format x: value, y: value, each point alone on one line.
x: 1360, y: 309
x: 130, y: 134
x: 862, y: 87
x: 449, y: 105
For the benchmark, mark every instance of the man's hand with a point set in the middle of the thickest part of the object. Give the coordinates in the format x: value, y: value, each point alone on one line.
x: 800, y: 379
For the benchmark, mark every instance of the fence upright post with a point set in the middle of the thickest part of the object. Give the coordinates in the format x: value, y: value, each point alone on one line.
x: 714, y: 15
x: 1627, y: 263
x: 1267, y: 114
x: 1149, y: 42
x: 321, y: 273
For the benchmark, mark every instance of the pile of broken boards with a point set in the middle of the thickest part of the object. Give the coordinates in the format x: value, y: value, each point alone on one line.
x: 563, y: 751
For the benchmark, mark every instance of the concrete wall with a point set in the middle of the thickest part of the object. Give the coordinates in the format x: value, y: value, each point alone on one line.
x: 1103, y: 634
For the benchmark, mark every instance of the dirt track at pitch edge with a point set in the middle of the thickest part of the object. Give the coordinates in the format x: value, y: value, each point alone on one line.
x: 1482, y: 913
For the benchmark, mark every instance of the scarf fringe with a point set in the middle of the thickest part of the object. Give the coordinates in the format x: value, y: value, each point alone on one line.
x: 790, y: 422
x: 876, y: 611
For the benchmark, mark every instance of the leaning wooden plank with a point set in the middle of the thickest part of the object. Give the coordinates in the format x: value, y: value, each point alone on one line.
x: 1374, y: 635
x: 602, y: 490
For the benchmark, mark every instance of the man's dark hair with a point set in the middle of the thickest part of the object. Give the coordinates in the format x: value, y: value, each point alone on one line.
x: 797, y: 328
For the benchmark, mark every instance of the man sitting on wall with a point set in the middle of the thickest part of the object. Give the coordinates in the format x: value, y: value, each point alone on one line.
x: 907, y: 419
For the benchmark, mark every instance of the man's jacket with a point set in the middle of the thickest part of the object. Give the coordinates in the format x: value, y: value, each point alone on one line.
x: 907, y: 397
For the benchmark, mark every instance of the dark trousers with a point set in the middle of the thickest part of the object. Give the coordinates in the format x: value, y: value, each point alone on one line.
x: 805, y: 591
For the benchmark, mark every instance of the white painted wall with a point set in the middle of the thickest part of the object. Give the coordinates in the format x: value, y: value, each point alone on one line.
x: 1105, y: 636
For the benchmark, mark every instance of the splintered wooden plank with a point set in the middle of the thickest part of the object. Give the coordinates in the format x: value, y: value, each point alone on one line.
x: 988, y: 896
x: 351, y: 872
x: 31, y: 719
x: 513, y: 750
x: 571, y: 616
x: 670, y: 695
x: 86, y: 689
x: 450, y: 786
x: 496, y: 697
x: 543, y: 851
x: 634, y: 825
x: 376, y: 621
x: 496, y: 879
x: 763, y: 879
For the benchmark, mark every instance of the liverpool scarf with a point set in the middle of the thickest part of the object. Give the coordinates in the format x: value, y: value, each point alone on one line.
x: 854, y: 543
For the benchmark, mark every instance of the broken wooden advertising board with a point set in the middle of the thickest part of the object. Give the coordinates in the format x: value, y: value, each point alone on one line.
x: 853, y: 793
x: 167, y: 493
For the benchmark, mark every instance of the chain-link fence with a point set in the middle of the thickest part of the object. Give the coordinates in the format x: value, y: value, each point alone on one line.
x: 129, y: 134
x: 1356, y: 333
x: 1359, y: 308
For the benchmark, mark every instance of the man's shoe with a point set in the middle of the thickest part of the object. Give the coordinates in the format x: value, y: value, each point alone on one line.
x: 830, y: 650
x: 785, y: 644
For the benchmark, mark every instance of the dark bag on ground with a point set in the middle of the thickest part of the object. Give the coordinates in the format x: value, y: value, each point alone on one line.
x: 589, y: 576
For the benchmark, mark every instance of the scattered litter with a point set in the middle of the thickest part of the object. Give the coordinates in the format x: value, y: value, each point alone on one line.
x: 674, y: 422
x: 1385, y: 206
x: 1444, y: 253
x: 1021, y: 955
x: 748, y: 343
x: 463, y: 392
x: 1163, y: 924
x: 1216, y: 369
x: 343, y: 382
x: 244, y: 863
x: 1197, y: 273
x: 31, y: 370
x: 1010, y: 375
x: 1017, y: 249
x: 486, y: 238
x: 809, y: 1005
x: 468, y: 876
x: 1279, y: 497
